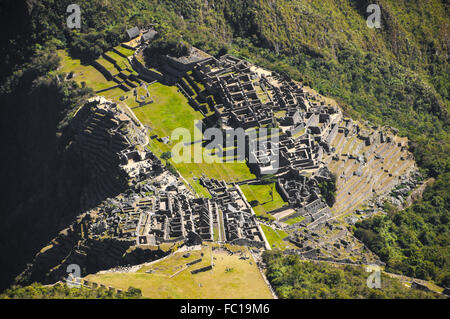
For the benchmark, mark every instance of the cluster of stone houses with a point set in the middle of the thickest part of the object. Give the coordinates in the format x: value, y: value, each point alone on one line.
x: 163, y: 211
x: 237, y: 222
x: 300, y: 132
x: 231, y: 79
x: 302, y: 193
x: 145, y: 35
x: 250, y: 99
x: 147, y: 205
x: 161, y: 217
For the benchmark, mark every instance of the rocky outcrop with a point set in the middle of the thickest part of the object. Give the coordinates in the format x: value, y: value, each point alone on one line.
x: 416, y: 194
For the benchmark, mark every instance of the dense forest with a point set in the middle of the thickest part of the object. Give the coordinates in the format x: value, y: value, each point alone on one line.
x: 397, y: 75
x: 415, y: 241
x: 62, y: 291
x: 328, y: 190
x: 293, y: 278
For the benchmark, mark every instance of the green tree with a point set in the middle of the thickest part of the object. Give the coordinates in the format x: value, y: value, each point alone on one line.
x: 166, y: 156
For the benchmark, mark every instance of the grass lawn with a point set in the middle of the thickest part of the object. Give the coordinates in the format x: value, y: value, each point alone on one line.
x: 243, y: 281
x: 141, y: 91
x: 199, y: 189
x: 262, y: 195
x: 113, y: 94
x: 176, y: 262
x: 124, y: 51
x: 300, y: 133
x: 120, y: 60
x: 84, y: 73
x: 294, y: 220
x: 275, y: 237
x: 169, y: 111
x: 216, y: 233
x: 108, y: 65
x: 280, y: 114
x: 126, y: 72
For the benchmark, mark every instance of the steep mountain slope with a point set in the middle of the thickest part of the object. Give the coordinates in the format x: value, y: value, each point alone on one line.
x: 397, y: 75
x: 42, y: 175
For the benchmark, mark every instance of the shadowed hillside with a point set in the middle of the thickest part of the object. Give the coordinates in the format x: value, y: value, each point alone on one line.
x: 397, y: 75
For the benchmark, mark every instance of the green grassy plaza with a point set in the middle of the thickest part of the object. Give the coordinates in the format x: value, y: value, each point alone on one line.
x: 275, y: 238
x: 170, y: 111
x: 230, y: 277
x: 261, y: 193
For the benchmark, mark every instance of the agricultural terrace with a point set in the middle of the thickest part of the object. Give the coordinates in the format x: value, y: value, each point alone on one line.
x: 83, y: 73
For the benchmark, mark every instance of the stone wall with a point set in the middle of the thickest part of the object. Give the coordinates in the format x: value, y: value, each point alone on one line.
x: 203, y: 269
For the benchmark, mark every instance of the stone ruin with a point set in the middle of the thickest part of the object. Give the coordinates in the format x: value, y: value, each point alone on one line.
x: 112, y: 143
x: 302, y: 194
x: 332, y: 242
x: 312, y: 135
x: 239, y: 222
x: 148, y: 206
x: 159, y: 212
x: 251, y: 99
